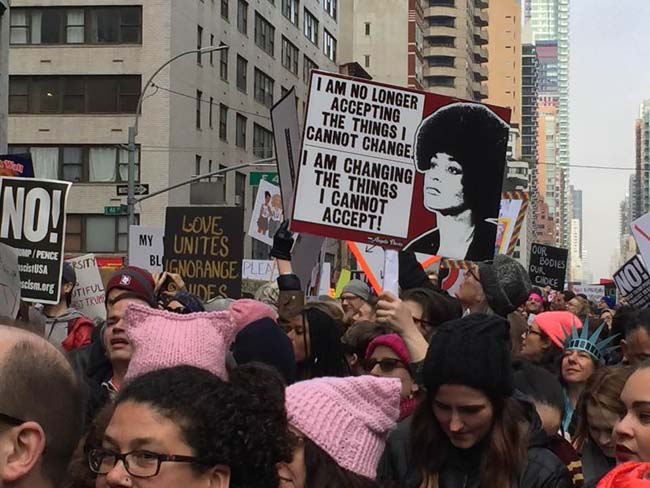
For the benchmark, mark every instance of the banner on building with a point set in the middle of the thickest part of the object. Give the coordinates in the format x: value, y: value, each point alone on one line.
x: 18, y: 165
x: 146, y: 249
x: 205, y: 245
x: 267, y: 213
x: 592, y: 292
x: 633, y: 283
x: 9, y: 282
x: 401, y: 169
x: 32, y: 221
x: 548, y: 266
x: 259, y: 269
x: 88, y: 294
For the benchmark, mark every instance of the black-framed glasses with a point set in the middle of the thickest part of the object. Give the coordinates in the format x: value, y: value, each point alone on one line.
x: 387, y: 365
x: 13, y: 421
x: 140, y: 464
x: 530, y: 330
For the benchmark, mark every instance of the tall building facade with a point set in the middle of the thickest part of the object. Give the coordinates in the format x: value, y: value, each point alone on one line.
x: 4, y: 72
x: 643, y: 159
x: 364, y: 27
x: 76, y: 72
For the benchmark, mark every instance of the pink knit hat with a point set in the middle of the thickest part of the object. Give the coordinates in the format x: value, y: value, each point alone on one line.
x: 163, y: 339
x: 349, y: 418
x: 557, y: 325
x: 393, y: 342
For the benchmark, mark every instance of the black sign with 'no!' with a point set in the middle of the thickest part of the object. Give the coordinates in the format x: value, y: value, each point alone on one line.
x: 548, y: 266
x: 32, y: 221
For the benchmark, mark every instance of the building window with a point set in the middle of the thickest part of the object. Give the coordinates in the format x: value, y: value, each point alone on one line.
x: 223, y: 122
x: 197, y: 165
x: 442, y: 41
x: 442, y: 21
x: 262, y: 142
x: 446, y: 81
x: 366, y: 60
x: 263, y: 88
x: 223, y: 64
x: 224, y: 9
x: 81, y: 164
x: 240, y: 131
x: 199, y: 101
x: 290, y: 10
x: 76, y: 25
x: 210, y: 113
x: 330, y: 7
x: 240, y: 189
x: 73, y: 94
x: 329, y: 45
x: 242, y: 16
x: 310, y: 27
x: 199, y: 41
x: 290, y: 55
x: 211, y: 52
x: 367, y: 28
x: 447, y: 61
x: 242, y: 68
x: 264, y: 34
x: 307, y: 66
x: 96, y: 233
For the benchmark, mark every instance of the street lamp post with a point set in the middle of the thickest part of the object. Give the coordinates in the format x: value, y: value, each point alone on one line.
x: 133, y: 130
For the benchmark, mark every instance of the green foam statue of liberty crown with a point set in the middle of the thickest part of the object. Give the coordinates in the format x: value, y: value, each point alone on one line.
x: 580, y: 340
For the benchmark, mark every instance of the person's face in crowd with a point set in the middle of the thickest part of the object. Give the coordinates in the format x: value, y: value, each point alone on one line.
x: 138, y: 427
x: 607, y: 317
x: 365, y: 313
x: 66, y: 288
x: 534, y: 306
x: 118, y: 347
x: 385, y: 363
x: 550, y: 416
x: 465, y: 414
x: 443, y: 187
x: 575, y: 306
x: 351, y: 304
x: 632, y: 431
x: 296, y: 330
x: 577, y: 366
x: 602, y: 304
x: 558, y: 302
x: 636, y: 346
x: 470, y: 290
x: 294, y: 474
x: 601, y: 425
x: 535, y: 343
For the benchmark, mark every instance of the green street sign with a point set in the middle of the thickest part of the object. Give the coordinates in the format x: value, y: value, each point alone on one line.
x: 257, y: 176
x: 118, y: 210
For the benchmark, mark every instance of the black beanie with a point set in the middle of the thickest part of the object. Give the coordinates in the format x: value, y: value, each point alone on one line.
x: 506, y: 284
x: 473, y: 351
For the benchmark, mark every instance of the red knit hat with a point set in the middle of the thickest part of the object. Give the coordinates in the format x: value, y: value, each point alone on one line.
x: 628, y: 475
x: 135, y: 280
x: 393, y: 342
x: 557, y: 325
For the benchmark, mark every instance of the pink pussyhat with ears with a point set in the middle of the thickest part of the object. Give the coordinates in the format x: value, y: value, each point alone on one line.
x: 162, y: 339
x: 348, y: 418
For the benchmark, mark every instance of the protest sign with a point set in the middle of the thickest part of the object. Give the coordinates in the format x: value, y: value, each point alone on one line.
x: 548, y: 266
x: 88, y: 294
x: 146, y: 247
x: 641, y: 232
x: 205, y: 245
x: 400, y: 168
x: 259, y: 269
x: 267, y: 213
x: 511, y: 216
x: 19, y: 165
x: 9, y: 282
x: 592, y: 292
x: 32, y: 221
x: 633, y: 283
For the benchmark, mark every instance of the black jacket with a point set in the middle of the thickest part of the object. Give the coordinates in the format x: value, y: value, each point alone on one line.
x: 543, y: 468
x: 595, y: 464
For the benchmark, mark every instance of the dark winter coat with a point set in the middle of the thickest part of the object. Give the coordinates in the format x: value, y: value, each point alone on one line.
x: 595, y: 464
x: 543, y: 468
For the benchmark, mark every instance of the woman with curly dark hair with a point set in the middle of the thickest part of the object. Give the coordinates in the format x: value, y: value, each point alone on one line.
x: 185, y: 427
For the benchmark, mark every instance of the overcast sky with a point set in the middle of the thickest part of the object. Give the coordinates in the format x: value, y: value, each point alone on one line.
x: 610, y: 76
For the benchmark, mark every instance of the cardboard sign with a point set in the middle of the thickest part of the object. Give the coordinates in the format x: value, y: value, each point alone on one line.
x: 267, y: 213
x: 548, y: 266
x: 88, y: 294
x: 260, y: 270
x: 633, y: 283
x: 593, y: 292
x: 641, y: 233
x: 32, y: 221
x: 399, y: 168
x: 146, y: 249
x: 205, y: 245
x: 9, y: 282
x: 19, y: 165
x: 511, y: 215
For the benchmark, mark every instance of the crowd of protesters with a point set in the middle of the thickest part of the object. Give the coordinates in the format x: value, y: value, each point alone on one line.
x: 501, y: 385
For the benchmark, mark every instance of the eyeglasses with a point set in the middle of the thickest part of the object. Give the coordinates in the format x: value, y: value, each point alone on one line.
x: 424, y: 323
x: 529, y: 331
x: 387, y: 365
x: 349, y: 298
x: 8, y: 419
x: 472, y: 269
x: 140, y: 464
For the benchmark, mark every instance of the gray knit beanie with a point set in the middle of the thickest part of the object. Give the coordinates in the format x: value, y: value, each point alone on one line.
x: 505, y: 283
x: 358, y: 288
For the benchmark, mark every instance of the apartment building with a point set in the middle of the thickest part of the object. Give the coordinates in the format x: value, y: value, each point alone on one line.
x: 4, y: 72
x: 77, y: 70
x: 642, y: 136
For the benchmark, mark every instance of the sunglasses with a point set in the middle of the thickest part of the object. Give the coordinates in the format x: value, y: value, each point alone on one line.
x: 386, y: 365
